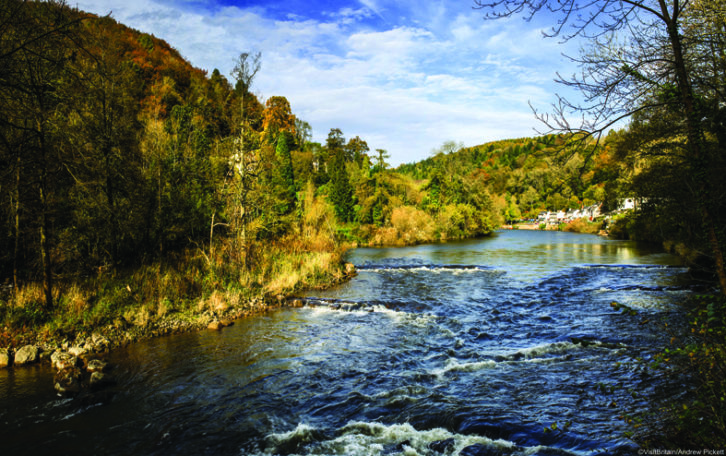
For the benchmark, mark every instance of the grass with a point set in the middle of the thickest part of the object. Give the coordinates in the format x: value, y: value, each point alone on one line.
x: 187, y: 289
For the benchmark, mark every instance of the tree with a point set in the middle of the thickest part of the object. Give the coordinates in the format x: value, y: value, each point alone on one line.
x: 303, y: 133
x: 105, y: 141
x: 285, y: 178
x: 244, y: 157
x: 277, y: 118
x: 341, y: 192
x: 641, y: 59
x: 37, y: 40
x: 381, y: 156
x: 356, y: 151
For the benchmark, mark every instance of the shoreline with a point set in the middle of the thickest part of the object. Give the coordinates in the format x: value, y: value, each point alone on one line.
x: 73, y: 355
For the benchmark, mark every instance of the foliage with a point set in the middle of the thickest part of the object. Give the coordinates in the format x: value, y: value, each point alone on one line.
x: 697, y: 420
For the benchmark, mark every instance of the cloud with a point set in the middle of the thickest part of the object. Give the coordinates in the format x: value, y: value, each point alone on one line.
x: 404, y: 76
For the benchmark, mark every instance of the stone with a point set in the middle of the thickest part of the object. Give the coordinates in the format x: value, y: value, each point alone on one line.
x: 99, y: 342
x: 96, y: 365
x: 27, y: 355
x: 63, y: 360
x: 442, y: 446
x: 5, y: 357
x: 99, y: 380
x: 349, y: 269
x: 68, y: 381
x: 226, y: 323
x: 296, y: 303
x: 77, y: 350
x: 479, y: 449
x: 215, y: 325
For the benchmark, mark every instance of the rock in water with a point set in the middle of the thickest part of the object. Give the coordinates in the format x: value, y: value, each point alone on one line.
x: 62, y: 360
x: 215, y: 325
x: 96, y: 365
x: 68, y: 381
x: 77, y: 350
x: 5, y: 357
x: 99, y: 380
x: 27, y: 355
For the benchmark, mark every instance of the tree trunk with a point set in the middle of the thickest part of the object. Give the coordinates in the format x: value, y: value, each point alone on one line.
x: 695, y: 144
x: 16, y: 246
x: 45, y: 249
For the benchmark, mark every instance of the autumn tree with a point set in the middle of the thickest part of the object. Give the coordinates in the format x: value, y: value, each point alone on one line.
x: 105, y: 142
x: 277, y: 118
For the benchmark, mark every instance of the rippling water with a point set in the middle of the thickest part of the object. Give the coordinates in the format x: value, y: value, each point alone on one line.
x: 467, y: 348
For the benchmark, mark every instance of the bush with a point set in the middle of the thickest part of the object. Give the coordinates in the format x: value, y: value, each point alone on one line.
x: 412, y: 225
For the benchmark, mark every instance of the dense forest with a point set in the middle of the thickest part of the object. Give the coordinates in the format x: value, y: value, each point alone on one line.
x: 528, y: 175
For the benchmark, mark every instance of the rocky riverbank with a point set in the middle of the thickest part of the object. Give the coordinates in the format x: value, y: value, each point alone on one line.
x: 79, y: 358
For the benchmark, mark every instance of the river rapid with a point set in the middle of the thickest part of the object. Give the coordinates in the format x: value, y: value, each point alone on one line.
x: 464, y: 348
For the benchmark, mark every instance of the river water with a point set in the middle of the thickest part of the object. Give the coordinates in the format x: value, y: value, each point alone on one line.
x: 469, y: 348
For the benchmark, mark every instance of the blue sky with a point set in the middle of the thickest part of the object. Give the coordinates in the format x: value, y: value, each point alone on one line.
x: 405, y: 76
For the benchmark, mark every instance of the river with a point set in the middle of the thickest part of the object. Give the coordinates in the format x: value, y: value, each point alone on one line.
x: 467, y: 348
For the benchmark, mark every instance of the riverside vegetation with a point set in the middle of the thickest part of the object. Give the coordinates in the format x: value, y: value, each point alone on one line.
x: 139, y: 192
x: 141, y: 196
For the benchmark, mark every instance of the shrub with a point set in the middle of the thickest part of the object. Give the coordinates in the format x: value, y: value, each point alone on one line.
x: 412, y: 225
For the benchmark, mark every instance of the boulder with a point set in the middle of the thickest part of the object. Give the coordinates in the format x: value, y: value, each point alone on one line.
x: 443, y: 446
x: 99, y: 342
x: 62, y: 360
x: 226, y: 323
x: 5, y: 357
x: 68, y: 381
x: 349, y: 269
x: 27, y: 355
x: 96, y: 365
x: 99, y: 380
x: 215, y: 325
x: 78, y: 350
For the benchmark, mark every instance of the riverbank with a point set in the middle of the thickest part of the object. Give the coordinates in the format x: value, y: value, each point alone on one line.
x: 573, y: 226
x: 117, y: 308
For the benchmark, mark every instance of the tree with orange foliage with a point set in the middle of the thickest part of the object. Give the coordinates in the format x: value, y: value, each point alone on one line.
x: 277, y: 118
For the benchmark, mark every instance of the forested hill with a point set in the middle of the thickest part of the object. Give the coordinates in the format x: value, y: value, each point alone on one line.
x: 528, y: 175
x: 131, y: 178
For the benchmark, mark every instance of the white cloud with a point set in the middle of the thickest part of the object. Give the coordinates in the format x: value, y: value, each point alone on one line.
x: 407, y: 85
